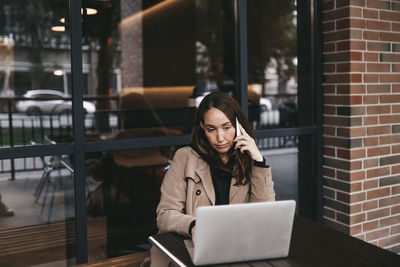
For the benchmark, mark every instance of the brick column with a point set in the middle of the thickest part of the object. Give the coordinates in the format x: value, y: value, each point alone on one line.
x: 131, y: 43
x: 361, y: 55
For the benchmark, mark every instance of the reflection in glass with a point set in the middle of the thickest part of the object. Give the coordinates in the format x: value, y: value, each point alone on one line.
x: 293, y: 172
x: 35, y: 94
x: 272, y: 63
x: 281, y: 153
x: 149, y: 63
x: 123, y: 193
x: 42, y: 228
x: 39, y: 190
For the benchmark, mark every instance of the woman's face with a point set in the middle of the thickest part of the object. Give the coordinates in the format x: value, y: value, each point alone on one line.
x: 219, y: 131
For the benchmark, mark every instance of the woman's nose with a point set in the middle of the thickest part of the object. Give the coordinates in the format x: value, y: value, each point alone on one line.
x: 220, y: 136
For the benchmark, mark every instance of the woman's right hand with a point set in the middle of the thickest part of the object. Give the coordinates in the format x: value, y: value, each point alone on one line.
x: 245, y: 142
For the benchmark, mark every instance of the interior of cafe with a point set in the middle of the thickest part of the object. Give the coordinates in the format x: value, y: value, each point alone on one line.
x: 97, y: 95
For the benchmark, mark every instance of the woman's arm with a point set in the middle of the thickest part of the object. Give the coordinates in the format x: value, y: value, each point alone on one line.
x: 171, y: 214
x: 261, y: 185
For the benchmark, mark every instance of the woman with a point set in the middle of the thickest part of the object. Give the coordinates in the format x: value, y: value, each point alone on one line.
x: 217, y: 168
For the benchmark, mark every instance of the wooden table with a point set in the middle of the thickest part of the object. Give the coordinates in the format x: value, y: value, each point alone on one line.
x: 312, y: 244
x: 133, y: 260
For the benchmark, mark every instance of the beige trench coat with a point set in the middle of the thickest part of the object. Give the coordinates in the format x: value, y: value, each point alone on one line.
x: 188, y: 185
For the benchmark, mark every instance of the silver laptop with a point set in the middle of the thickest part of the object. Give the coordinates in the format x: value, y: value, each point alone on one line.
x: 242, y: 232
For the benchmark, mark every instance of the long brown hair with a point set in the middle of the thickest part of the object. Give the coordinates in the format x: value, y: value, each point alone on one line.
x: 243, y: 162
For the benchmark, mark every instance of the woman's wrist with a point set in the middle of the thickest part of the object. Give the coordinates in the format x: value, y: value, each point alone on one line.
x: 192, y: 224
x: 262, y: 163
x: 258, y: 157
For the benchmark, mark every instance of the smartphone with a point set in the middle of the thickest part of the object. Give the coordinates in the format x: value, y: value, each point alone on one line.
x: 238, y: 132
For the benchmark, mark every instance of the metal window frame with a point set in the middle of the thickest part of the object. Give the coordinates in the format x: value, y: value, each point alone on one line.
x: 240, y: 24
x: 79, y: 147
x: 78, y: 132
x: 316, y: 52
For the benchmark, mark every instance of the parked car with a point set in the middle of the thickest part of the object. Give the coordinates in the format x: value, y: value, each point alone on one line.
x: 49, y: 101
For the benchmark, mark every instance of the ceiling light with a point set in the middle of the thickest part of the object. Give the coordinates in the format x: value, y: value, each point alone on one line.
x: 89, y: 11
x: 58, y: 72
x: 58, y: 28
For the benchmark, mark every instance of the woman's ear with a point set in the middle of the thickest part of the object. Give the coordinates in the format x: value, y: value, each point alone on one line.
x: 201, y: 125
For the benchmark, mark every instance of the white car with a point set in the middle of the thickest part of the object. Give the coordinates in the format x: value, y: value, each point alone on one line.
x: 49, y: 101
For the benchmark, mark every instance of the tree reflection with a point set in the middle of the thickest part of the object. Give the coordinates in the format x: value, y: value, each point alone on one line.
x: 271, y: 40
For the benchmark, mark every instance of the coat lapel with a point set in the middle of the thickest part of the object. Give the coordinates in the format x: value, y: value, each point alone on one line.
x: 204, y: 173
x: 234, y: 190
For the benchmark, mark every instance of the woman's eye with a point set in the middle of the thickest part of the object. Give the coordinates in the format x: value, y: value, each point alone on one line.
x: 210, y: 130
x: 227, y: 128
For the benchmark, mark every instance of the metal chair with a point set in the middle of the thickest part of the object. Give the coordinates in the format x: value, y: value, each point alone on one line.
x: 54, y: 163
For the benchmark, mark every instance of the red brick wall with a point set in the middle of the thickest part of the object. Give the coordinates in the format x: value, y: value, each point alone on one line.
x: 131, y: 43
x: 361, y: 55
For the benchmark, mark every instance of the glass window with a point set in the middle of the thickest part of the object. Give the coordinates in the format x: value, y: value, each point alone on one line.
x: 148, y: 68
x: 293, y: 170
x: 281, y: 153
x: 273, y: 65
x: 123, y: 193
x: 37, y: 211
x: 153, y: 61
x: 281, y: 95
x: 35, y: 57
x: 34, y: 46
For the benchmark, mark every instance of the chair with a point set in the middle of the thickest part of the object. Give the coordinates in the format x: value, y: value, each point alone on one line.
x: 54, y: 163
x: 131, y: 188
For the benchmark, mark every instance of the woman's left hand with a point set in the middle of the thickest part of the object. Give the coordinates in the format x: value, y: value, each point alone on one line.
x: 244, y: 142
x: 193, y: 233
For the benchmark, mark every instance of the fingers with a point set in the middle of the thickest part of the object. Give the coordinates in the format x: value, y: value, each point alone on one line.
x: 242, y: 130
x: 193, y: 233
x: 243, y: 141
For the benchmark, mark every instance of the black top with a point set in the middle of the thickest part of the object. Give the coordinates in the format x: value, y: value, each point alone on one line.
x: 222, y: 185
x: 222, y: 180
